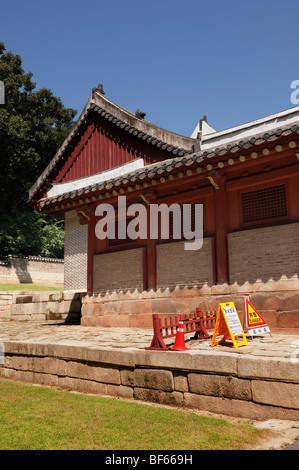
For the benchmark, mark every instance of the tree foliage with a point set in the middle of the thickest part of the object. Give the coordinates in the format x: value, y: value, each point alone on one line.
x: 33, y: 124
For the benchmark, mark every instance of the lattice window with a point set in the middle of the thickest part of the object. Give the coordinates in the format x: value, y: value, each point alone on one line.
x: 266, y: 203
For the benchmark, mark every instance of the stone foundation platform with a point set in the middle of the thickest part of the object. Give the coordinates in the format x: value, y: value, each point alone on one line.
x: 259, y: 381
x: 277, y: 302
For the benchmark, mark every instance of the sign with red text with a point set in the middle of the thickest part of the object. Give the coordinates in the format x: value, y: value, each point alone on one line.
x: 255, y: 323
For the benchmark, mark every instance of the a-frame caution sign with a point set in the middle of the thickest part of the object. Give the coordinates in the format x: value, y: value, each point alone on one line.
x: 228, y: 322
x: 255, y: 324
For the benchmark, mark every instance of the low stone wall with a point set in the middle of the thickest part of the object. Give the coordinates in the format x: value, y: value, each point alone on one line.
x: 6, y: 300
x: 276, y: 301
x: 232, y: 384
x: 31, y: 269
x: 39, y: 306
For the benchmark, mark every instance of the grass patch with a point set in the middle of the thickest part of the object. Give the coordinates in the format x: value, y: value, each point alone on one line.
x: 31, y: 287
x: 37, y: 418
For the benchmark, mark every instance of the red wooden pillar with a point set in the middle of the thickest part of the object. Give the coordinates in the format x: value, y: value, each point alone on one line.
x: 221, y: 213
x: 151, y: 253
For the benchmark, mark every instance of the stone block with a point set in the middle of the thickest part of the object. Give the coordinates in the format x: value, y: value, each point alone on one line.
x: 158, y: 396
x: 26, y: 349
x: 5, y: 307
x: 49, y: 365
x: 114, y: 321
x: 132, y: 307
x: 228, y: 407
x: 127, y: 377
x: 180, y: 382
x: 288, y: 319
x: 141, y: 321
x: 63, y: 351
x: 199, y: 361
x: 23, y: 376
x: 266, y: 301
x: 20, y: 362
x: 220, y: 386
x: 7, y: 297
x: 88, y: 320
x: 113, y: 356
x: 268, y: 368
x: 120, y: 391
x: 92, y: 309
x: 163, y: 306
x: 93, y: 372
x: 45, y: 379
x: 275, y: 393
x: 110, y: 308
x: 56, y: 307
x: 19, y: 310
x: 270, y: 317
x: 157, y: 379
x: 83, y: 386
x: 38, y: 317
x: 21, y: 317
x: 39, y: 308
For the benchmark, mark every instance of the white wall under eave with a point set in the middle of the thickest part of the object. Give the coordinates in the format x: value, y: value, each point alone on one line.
x: 62, y: 188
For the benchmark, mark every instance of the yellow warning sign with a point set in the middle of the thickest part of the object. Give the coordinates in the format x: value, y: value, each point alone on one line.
x: 253, y: 318
x: 228, y: 322
x: 255, y: 323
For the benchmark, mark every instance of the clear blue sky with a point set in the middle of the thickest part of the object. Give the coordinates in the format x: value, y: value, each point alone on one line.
x: 231, y: 60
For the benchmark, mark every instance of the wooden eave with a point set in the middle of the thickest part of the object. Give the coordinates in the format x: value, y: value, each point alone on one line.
x: 276, y: 144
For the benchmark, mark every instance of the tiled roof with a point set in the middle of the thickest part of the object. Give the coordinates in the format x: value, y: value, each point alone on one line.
x: 133, y: 124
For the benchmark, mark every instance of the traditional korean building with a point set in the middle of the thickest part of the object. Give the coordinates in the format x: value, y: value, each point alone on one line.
x: 246, y: 177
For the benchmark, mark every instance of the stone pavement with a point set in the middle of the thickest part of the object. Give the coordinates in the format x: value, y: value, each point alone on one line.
x: 57, y: 332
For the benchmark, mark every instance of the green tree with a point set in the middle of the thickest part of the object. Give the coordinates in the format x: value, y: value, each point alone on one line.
x: 33, y: 124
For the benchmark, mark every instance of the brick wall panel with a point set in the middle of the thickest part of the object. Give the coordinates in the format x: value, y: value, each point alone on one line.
x: 179, y: 267
x: 122, y: 270
x: 263, y: 254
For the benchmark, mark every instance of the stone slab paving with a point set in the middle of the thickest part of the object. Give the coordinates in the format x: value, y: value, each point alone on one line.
x: 57, y: 332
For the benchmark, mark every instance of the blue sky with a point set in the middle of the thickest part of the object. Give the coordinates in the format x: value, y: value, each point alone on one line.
x: 231, y: 60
